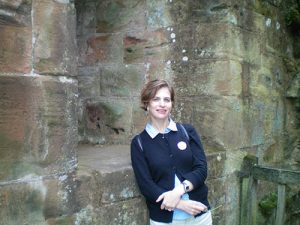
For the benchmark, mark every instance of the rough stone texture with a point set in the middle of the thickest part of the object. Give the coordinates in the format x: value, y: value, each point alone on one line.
x: 34, y: 200
x: 227, y: 60
x: 38, y: 116
x: 15, y: 13
x: 37, y: 126
x: 107, y: 191
x: 54, y: 41
x: 236, y: 81
x: 106, y: 187
x: 15, y: 49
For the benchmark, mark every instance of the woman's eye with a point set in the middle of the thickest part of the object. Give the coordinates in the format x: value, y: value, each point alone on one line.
x: 156, y: 99
x: 167, y: 100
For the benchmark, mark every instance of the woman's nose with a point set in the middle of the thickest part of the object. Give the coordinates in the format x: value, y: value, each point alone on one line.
x: 162, y: 102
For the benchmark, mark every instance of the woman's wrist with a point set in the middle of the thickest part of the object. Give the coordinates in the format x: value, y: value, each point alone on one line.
x: 180, y: 205
x: 187, y: 186
x: 179, y: 189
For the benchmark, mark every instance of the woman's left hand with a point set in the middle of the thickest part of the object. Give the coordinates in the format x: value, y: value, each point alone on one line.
x: 170, y: 198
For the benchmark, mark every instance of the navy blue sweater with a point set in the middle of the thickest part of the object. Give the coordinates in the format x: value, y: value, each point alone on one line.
x: 156, y: 165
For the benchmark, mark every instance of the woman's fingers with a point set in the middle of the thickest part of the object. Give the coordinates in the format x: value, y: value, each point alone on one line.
x: 161, y: 197
x: 170, y: 200
x: 193, y: 207
x: 201, y: 207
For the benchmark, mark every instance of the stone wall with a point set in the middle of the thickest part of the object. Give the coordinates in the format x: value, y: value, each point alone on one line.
x: 38, y: 117
x: 227, y: 60
x: 72, y: 71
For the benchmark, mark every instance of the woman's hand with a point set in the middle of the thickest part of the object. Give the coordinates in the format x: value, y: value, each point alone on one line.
x: 171, y: 198
x: 191, y: 207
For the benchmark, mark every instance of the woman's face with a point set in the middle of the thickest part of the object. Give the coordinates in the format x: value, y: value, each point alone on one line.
x: 160, y: 106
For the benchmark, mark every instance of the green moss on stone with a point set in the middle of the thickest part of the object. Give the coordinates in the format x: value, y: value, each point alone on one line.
x: 263, y: 7
x: 292, y: 15
x: 268, y: 203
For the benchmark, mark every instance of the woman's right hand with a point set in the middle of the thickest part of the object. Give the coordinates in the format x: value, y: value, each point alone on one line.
x: 191, y: 207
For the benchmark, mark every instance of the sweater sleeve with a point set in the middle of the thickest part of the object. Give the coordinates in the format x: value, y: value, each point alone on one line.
x: 147, y: 186
x: 198, y: 174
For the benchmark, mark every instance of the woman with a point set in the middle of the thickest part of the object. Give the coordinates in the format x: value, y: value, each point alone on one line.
x: 169, y: 163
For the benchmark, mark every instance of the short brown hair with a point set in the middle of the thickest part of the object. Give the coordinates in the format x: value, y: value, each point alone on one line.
x: 150, y: 89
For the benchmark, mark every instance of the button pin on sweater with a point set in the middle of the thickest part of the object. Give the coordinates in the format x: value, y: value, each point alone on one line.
x: 181, y: 145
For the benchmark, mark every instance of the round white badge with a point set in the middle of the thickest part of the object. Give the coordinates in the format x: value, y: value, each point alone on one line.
x: 181, y: 145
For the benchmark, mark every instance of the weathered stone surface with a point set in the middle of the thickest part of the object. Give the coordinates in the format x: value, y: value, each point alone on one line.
x: 65, y: 220
x: 208, y: 78
x: 106, y: 122
x: 130, y: 212
x: 54, y: 37
x: 85, y: 17
x: 111, y: 81
x: 22, y: 203
x: 158, y: 14
x: 120, y: 81
x: 88, y: 82
x: 227, y: 60
x: 110, y: 169
x: 15, y: 13
x: 100, y: 48
x: 115, y: 16
x: 35, y: 200
x: 115, y: 198
x: 217, y: 199
x: 38, y: 126
x: 15, y: 49
x: 216, y: 164
x: 146, y: 46
x: 138, y: 124
x: 218, y: 110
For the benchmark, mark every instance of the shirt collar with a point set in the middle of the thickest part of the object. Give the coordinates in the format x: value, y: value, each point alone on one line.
x: 153, y: 132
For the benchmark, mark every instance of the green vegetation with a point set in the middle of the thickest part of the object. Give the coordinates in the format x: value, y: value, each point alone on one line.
x: 268, y: 204
x: 292, y: 15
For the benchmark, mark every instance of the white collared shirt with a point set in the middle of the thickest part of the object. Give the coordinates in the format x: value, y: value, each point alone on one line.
x: 153, y: 132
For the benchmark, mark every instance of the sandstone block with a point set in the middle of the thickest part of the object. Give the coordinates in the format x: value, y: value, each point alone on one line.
x: 106, y: 121
x: 106, y: 189
x: 65, y: 220
x: 100, y: 48
x: 146, y: 46
x: 230, y: 130
x: 35, y: 200
x: 158, y: 14
x: 217, y: 199
x: 216, y: 164
x: 16, y: 13
x: 133, y: 211
x: 140, y: 118
x: 217, y: 78
x: 110, y: 80
x: 224, y: 199
x: 85, y: 17
x: 15, y: 49
x: 110, y: 169
x: 221, y: 41
x: 88, y: 82
x: 54, y: 34
x: 121, y: 81
x: 38, y: 124
x: 22, y: 203
x: 112, y: 16
x: 269, y: 79
x: 183, y: 108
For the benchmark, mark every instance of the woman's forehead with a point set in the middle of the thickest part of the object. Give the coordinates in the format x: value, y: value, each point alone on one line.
x: 164, y: 91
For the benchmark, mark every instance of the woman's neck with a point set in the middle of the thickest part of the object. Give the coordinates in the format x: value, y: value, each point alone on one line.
x: 160, y: 125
